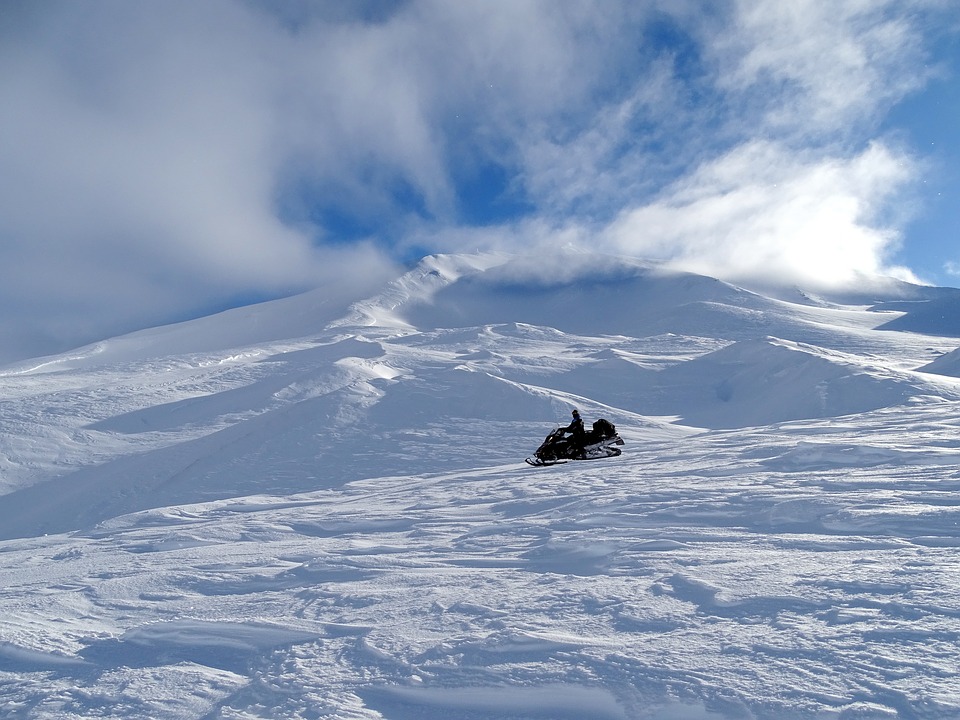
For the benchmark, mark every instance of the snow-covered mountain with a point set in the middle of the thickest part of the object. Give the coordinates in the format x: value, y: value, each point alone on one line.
x: 300, y: 509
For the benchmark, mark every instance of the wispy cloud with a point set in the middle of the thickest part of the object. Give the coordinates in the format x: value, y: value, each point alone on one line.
x: 752, y: 151
x: 817, y: 67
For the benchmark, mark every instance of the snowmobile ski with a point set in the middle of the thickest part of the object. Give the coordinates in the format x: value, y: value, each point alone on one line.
x: 537, y: 462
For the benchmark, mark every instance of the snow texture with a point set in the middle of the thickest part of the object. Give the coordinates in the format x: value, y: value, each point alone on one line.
x: 303, y: 511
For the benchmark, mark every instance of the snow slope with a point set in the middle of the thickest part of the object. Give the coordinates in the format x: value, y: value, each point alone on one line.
x: 297, y: 510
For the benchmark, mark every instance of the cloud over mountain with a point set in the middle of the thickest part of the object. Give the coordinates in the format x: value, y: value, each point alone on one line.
x: 162, y: 162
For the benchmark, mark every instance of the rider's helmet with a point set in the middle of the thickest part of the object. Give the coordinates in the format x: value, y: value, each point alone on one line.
x: 575, y: 413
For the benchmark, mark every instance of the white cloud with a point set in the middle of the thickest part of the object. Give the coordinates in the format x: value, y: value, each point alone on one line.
x: 141, y: 153
x: 762, y: 212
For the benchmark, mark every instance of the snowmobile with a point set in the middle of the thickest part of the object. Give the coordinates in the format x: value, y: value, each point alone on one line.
x: 600, y: 442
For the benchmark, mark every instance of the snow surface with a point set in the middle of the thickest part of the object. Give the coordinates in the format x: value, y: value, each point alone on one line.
x: 304, y: 511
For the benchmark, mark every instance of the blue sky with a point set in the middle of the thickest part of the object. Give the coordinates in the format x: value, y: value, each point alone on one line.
x: 930, y: 120
x: 159, y: 161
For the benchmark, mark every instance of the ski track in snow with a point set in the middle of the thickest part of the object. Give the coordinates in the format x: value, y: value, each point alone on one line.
x: 340, y: 525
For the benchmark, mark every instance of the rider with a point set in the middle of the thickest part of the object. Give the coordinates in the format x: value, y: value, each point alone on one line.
x: 577, y: 433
